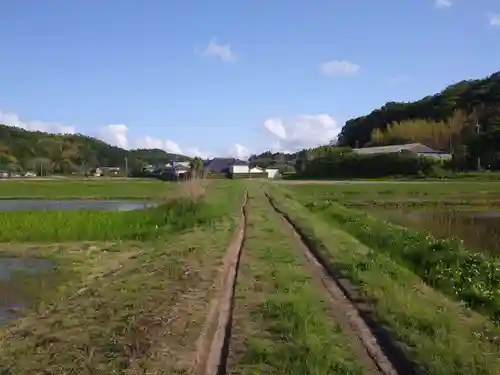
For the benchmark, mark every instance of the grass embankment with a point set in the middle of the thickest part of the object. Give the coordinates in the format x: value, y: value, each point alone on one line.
x: 128, y: 306
x: 281, y: 321
x: 437, y: 332
x: 442, y: 263
x: 84, y: 189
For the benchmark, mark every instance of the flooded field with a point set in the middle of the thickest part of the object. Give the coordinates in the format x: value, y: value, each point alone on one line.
x: 12, y: 294
x: 480, y: 230
x: 72, y: 205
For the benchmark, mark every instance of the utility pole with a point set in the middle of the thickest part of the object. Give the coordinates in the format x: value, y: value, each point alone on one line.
x: 478, y: 129
x: 126, y: 166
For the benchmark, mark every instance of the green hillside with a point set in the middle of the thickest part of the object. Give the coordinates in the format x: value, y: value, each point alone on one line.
x: 447, y: 120
x: 22, y: 150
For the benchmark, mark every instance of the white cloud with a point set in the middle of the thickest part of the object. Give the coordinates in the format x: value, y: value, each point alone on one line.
x: 443, y: 3
x: 339, y: 68
x: 169, y: 146
x: 162, y: 144
x: 305, y: 131
x: 220, y: 51
x: 12, y: 119
x: 276, y: 127
x: 195, y: 151
x: 114, y: 134
x: 494, y: 19
x: 238, y: 151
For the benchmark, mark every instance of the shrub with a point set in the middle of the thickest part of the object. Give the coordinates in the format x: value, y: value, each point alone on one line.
x: 348, y: 164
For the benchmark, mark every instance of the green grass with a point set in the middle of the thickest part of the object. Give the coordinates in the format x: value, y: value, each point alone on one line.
x: 442, y: 263
x: 419, y: 194
x: 124, y: 306
x: 141, y: 309
x: 174, y: 215
x: 416, y: 189
x: 437, y: 332
x: 447, y: 175
x: 59, y: 226
x: 84, y: 189
x: 281, y: 322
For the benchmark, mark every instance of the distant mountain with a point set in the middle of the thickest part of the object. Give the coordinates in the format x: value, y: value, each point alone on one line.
x: 67, y: 153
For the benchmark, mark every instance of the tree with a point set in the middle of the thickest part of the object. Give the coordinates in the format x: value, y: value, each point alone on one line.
x: 41, y: 166
x: 196, y: 167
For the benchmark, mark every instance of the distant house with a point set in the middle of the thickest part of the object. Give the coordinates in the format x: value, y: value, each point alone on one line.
x: 111, y: 171
x: 106, y: 171
x: 256, y: 170
x: 181, y: 169
x: 173, y: 172
x: 414, y: 148
x: 273, y: 172
x: 225, y: 166
x: 240, y: 167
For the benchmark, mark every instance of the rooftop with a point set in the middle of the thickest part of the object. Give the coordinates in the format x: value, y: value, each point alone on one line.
x: 412, y: 147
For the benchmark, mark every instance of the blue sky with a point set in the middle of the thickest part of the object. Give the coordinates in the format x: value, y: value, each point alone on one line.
x: 213, y: 77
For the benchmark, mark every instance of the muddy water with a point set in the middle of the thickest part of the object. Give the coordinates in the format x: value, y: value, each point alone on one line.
x: 480, y: 230
x: 12, y: 296
x: 72, y: 205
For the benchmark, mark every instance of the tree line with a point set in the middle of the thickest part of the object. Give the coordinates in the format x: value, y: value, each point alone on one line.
x: 45, y: 153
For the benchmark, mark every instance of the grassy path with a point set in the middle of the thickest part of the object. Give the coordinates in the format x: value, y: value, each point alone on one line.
x: 281, y: 322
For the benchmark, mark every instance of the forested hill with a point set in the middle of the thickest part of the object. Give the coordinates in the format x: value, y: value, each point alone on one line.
x: 28, y: 150
x: 467, y: 101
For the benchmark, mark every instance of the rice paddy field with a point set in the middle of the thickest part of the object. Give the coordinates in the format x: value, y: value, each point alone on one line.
x: 92, y: 188
x: 250, y: 277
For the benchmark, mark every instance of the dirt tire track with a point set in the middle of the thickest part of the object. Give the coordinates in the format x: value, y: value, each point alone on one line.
x: 212, y: 346
x: 348, y: 310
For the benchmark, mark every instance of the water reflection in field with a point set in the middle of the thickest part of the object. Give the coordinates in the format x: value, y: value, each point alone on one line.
x: 12, y: 296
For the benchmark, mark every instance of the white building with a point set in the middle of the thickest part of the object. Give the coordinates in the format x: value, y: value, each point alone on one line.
x: 273, y: 173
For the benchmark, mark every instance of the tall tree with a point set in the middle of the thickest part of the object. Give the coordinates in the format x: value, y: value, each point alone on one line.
x: 196, y: 167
